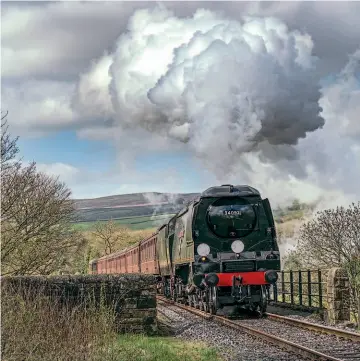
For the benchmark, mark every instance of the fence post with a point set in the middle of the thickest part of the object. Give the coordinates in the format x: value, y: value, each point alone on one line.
x: 309, y: 286
x: 283, y: 286
x: 291, y: 287
x: 300, y: 289
x: 320, y: 289
x: 338, y: 296
x: 275, y: 292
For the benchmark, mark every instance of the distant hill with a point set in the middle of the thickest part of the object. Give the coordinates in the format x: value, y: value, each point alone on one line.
x: 130, y: 205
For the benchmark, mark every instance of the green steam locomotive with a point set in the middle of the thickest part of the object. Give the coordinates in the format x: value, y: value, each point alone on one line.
x: 220, y: 251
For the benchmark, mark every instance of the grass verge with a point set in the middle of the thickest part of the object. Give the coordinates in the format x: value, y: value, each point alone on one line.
x: 142, y: 348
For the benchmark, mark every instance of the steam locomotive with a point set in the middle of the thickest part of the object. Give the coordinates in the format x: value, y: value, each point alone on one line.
x: 220, y: 251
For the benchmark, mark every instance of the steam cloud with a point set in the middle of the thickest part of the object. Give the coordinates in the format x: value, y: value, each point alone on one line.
x: 244, y: 98
x: 207, y: 78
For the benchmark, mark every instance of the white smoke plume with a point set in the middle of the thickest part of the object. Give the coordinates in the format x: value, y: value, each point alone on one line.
x: 208, y: 80
x: 159, y: 201
x: 243, y: 96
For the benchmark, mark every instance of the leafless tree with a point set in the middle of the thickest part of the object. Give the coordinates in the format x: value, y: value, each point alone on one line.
x: 36, y: 211
x: 111, y: 236
x: 9, y: 148
x: 332, y: 239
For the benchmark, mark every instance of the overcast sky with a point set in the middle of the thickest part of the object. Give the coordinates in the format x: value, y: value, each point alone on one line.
x: 94, y: 91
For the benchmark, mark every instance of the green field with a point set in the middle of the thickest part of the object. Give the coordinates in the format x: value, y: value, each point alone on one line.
x: 135, y: 223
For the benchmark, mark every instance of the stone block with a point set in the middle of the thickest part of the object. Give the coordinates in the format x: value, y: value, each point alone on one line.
x: 149, y: 320
x: 146, y: 302
x: 338, y: 294
x: 130, y: 303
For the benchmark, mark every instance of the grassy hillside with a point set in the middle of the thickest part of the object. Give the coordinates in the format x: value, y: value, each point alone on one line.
x: 134, y: 223
x: 130, y: 206
x: 135, y: 199
x: 149, y: 210
x: 103, y: 214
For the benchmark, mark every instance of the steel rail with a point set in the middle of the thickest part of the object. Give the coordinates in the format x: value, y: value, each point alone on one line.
x: 199, y: 313
x: 348, y: 335
x: 277, y: 341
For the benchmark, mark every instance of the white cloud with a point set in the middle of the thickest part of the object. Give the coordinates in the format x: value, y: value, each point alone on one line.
x: 39, y: 105
x: 215, y: 78
x: 58, y: 39
x: 56, y: 59
x: 160, y: 96
x: 86, y: 182
x: 66, y: 172
x: 92, y: 98
x: 341, y: 100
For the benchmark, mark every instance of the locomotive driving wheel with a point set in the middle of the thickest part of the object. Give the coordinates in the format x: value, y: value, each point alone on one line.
x: 213, y: 300
x: 201, y: 300
x: 206, y: 301
x: 196, y: 301
x: 263, y: 302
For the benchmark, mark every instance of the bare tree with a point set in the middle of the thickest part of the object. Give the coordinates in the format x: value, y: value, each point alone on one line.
x: 36, y: 211
x: 9, y: 148
x: 111, y: 236
x: 332, y: 239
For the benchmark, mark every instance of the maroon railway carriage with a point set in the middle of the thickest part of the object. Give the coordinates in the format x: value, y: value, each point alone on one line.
x: 139, y: 258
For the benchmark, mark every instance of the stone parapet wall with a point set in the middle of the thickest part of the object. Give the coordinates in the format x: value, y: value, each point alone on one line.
x: 131, y: 296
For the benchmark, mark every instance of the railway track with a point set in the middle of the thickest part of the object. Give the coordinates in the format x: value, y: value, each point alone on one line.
x: 352, y: 336
x: 311, y: 341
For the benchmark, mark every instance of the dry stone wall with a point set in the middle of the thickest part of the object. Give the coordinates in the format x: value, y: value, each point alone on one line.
x: 131, y: 296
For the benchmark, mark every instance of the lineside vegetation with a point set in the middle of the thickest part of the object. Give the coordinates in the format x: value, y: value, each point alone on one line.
x: 38, y: 329
x: 332, y: 239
